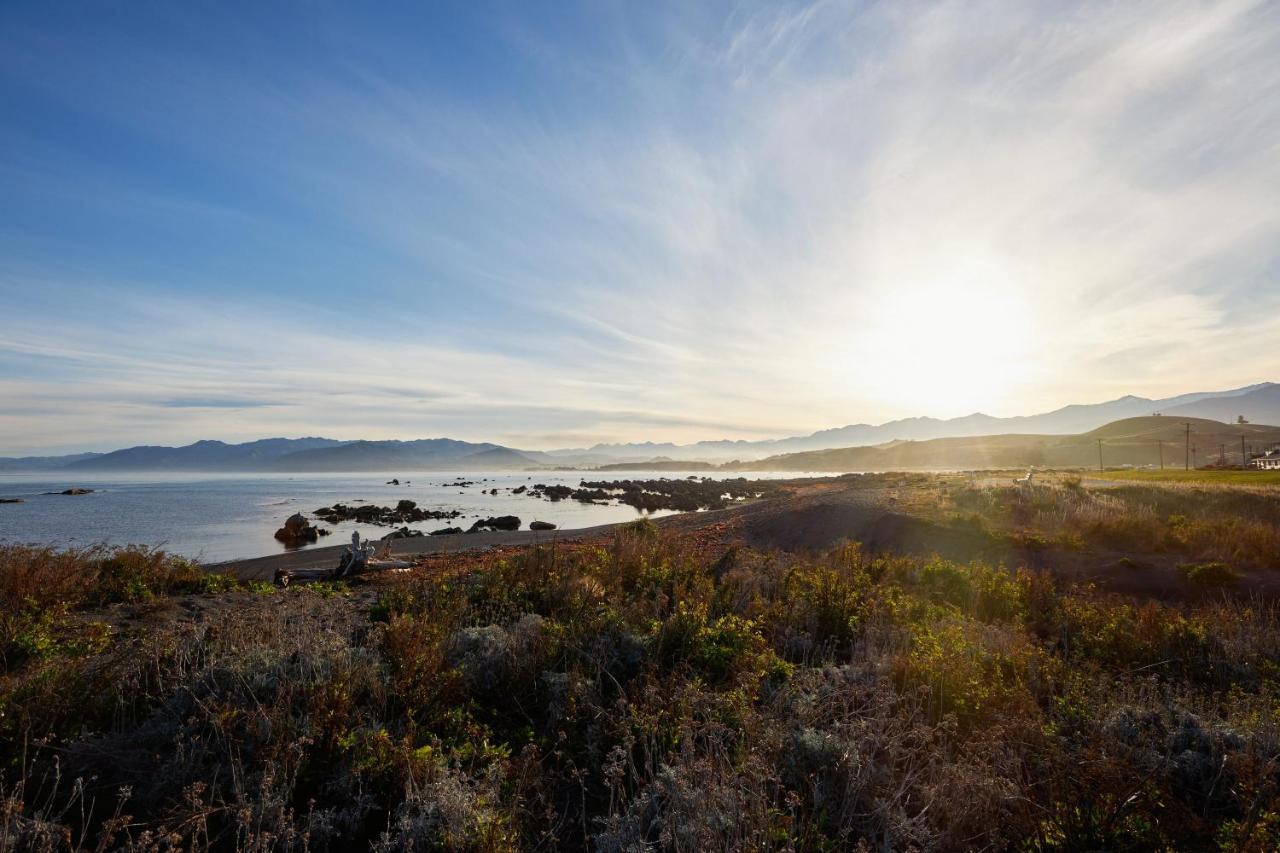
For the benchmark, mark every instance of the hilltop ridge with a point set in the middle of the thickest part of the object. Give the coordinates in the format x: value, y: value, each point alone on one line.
x: 1259, y: 403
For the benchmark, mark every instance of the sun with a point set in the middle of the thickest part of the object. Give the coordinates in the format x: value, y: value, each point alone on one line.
x: 949, y: 348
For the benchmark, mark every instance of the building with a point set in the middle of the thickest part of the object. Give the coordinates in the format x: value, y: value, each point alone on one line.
x: 1268, y: 462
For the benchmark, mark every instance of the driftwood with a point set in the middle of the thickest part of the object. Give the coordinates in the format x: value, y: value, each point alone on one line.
x: 285, y: 577
x: 357, y: 559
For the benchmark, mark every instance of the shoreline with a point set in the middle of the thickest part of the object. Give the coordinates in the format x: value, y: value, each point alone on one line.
x: 265, y: 567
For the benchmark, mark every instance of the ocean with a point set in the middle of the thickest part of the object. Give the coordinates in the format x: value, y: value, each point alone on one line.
x: 214, y: 517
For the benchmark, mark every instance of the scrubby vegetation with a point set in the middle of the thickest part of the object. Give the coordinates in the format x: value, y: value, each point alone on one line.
x: 1235, y: 526
x: 650, y: 692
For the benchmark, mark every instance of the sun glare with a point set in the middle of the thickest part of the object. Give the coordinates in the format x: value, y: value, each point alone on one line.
x: 950, y: 348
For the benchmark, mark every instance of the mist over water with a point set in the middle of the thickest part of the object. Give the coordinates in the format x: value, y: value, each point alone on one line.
x: 215, y: 517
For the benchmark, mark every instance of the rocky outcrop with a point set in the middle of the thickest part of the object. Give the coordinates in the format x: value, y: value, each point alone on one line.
x: 446, y: 531
x: 501, y: 522
x: 297, y: 531
x: 541, y: 525
x: 404, y: 512
x: 404, y: 533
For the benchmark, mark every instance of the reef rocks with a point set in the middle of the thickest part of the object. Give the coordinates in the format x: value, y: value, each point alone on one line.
x: 404, y: 512
x: 559, y: 493
x: 541, y: 525
x: 683, y: 495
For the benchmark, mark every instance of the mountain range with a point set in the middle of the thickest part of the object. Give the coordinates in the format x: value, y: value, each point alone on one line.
x: 1151, y: 440
x: 1259, y: 404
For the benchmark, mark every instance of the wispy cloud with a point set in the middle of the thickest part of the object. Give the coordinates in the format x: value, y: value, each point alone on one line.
x: 691, y: 225
x: 215, y: 403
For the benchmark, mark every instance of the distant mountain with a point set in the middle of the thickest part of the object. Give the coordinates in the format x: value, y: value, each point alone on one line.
x: 1260, y: 405
x: 1263, y: 399
x: 202, y: 456
x: 429, y: 454
x: 1140, y: 441
x: 41, y: 463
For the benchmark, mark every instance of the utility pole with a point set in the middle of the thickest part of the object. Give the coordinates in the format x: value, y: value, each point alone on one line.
x: 1160, y: 444
x: 1100, y: 468
x: 1194, y: 463
x: 1244, y: 460
x: 1186, y: 450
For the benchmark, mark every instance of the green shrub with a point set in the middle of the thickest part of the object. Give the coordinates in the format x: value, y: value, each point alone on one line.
x: 1209, y: 574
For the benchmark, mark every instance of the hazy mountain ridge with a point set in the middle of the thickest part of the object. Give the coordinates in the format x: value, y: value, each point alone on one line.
x: 41, y: 463
x: 1262, y: 399
x: 205, y: 455
x: 1259, y: 404
x: 1139, y: 441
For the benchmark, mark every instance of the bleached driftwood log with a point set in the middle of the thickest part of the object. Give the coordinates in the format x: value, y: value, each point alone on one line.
x: 356, y: 559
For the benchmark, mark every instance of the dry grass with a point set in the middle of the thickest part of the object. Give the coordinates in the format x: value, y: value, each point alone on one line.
x: 651, y: 693
x: 1239, y: 526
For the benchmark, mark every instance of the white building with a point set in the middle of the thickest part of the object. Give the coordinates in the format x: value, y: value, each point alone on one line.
x: 1269, y: 462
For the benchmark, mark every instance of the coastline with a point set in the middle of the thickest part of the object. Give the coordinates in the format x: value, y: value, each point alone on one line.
x: 264, y: 568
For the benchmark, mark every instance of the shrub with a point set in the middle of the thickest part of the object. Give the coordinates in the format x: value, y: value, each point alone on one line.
x: 1209, y: 574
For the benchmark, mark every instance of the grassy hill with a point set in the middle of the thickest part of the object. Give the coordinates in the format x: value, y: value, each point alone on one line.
x: 1137, y: 441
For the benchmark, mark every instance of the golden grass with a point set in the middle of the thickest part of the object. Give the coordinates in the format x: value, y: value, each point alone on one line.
x: 1199, y: 477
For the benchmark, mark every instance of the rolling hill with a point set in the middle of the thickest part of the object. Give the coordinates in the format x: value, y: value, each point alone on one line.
x: 1135, y: 441
x: 1259, y: 403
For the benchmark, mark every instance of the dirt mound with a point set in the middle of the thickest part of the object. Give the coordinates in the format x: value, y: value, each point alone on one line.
x: 819, y: 524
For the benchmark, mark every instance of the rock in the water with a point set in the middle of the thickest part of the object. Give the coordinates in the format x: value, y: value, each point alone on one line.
x: 76, y: 492
x: 297, y: 531
x: 403, y: 512
x: 446, y: 531
x: 541, y: 525
x: 11, y: 501
x: 501, y: 522
x: 404, y: 533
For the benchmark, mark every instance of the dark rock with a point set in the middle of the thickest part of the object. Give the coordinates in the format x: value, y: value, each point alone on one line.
x: 554, y: 493
x: 446, y: 531
x: 404, y: 512
x: 541, y: 525
x: 297, y: 531
x: 393, y: 482
x: 11, y: 501
x: 404, y: 533
x: 681, y: 495
x: 502, y: 522
x: 76, y: 492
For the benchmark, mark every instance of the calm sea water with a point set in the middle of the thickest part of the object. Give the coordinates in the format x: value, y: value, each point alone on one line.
x: 215, y: 517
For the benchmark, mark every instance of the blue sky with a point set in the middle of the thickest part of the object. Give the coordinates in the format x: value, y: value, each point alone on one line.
x: 554, y: 224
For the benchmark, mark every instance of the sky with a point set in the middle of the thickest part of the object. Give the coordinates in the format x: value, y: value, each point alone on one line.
x: 553, y: 224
